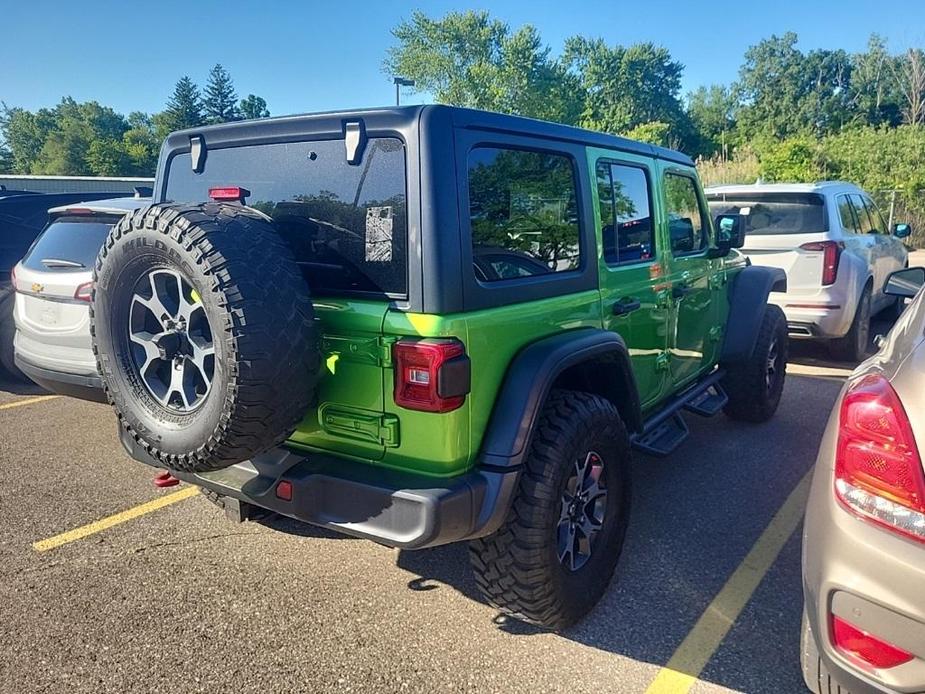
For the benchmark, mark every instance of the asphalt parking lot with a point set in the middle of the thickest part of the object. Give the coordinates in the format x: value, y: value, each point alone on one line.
x: 180, y: 599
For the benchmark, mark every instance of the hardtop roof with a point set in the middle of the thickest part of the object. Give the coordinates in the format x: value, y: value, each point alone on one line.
x: 410, y: 115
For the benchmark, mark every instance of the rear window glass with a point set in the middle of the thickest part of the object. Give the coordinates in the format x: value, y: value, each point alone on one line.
x: 524, y: 214
x: 69, y: 243
x: 773, y: 213
x: 346, y: 224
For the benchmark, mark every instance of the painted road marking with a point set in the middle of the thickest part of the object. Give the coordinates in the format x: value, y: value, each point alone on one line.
x: 812, y: 370
x: 689, y: 660
x: 28, y: 401
x: 109, y: 521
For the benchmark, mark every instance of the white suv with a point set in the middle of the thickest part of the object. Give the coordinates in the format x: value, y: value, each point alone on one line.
x: 835, y: 247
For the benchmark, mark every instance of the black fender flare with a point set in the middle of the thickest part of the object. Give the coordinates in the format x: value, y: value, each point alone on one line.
x: 748, y: 295
x: 530, y: 377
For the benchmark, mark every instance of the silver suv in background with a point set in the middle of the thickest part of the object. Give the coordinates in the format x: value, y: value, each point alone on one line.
x: 835, y: 247
x: 864, y: 533
x: 53, y: 285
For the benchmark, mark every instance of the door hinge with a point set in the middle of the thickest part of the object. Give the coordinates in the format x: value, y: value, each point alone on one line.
x: 360, y: 425
x: 385, y: 350
x: 718, y: 281
x: 662, y: 361
x: 388, y: 430
x: 716, y: 333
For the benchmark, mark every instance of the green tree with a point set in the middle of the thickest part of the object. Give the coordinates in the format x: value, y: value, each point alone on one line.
x: 626, y: 87
x: 253, y: 107
x: 470, y: 59
x: 712, y: 113
x: 24, y: 133
x: 184, y: 108
x: 874, y: 94
x: 220, y: 101
x: 654, y: 132
x: 77, y: 128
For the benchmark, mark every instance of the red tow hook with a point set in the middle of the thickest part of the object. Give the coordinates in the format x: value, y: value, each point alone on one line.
x: 165, y: 479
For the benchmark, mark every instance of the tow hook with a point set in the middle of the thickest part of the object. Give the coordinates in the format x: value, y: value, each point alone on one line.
x: 165, y: 479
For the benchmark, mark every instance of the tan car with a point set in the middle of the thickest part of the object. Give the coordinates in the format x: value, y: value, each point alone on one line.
x: 864, y: 536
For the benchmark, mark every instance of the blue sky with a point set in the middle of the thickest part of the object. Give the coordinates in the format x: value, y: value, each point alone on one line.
x: 311, y: 56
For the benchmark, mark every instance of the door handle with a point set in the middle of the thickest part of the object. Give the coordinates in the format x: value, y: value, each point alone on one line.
x: 680, y: 290
x: 626, y: 305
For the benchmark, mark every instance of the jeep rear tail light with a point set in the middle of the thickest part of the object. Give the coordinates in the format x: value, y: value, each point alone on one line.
x: 84, y: 292
x: 831, y: 252
x: 860, y: 645
x: 229, y: 194
x: 431, y: 375
x: 878, y: 471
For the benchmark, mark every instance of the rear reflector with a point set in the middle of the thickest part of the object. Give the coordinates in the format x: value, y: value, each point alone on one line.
x: 229, y: 193
x: 431, y: 375
x: 78, y: 210
x: 860, y: 645
x: 84, y: 292
x: 878, y: 471
x: 284, y: 490
x: 831, y: 252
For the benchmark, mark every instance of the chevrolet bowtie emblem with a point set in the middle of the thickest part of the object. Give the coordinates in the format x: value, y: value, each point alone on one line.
x: 37, y: 288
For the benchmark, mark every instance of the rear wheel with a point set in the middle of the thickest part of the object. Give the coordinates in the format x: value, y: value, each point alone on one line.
x: 7, y: 331
x: 554, y: 556
x: 755, y: 386
x: 855, y: 344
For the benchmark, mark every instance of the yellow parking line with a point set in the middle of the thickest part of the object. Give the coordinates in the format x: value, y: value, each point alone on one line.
x: 689, y: 660
x: 109, y: 521
x: 27, y: 401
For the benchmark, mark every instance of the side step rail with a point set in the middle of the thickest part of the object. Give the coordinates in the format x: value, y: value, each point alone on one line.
x: 665, y: 431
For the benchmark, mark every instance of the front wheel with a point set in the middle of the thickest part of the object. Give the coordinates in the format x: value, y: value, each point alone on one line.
x: 554, y: 556
x: 755, y: 386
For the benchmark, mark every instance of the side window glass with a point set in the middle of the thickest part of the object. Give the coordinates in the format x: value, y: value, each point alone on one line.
x: 627, y: 228
x: 846, y: 214
x: 864, y: 223
x: 524, y: 213
x: 875, y: 217
x: 687, y: 227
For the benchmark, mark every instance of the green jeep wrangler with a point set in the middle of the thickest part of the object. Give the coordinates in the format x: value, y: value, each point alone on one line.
x: 429, y: 324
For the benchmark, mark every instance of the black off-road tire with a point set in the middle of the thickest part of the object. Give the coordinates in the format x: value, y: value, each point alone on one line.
x: 267, y: 356
x: 7, y: 331
x: 755, y: 386
x: 855, y: 345
x: 815, y: 674
x: 517, y: 568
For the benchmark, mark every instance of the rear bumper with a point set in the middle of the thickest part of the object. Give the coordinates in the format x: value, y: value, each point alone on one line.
x: 82, y: 386
x: 393, y: 508
x: 867, y: 576
x: 825, y: 314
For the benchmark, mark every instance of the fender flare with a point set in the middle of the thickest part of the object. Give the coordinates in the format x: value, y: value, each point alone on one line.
x: 531, y: 376
x: 748, y: 295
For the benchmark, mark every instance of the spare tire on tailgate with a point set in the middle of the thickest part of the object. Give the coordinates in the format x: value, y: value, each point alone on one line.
x: 203, y: 332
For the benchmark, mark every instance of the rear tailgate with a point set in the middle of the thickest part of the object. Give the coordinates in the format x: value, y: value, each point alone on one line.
x: 784, y: 251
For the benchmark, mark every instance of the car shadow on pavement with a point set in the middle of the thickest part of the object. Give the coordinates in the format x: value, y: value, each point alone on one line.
x: 816, y: 353
x: 695, y: 516
x: 15, y: 387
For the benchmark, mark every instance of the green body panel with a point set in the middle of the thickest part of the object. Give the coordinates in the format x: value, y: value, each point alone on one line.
x: 671, y: 342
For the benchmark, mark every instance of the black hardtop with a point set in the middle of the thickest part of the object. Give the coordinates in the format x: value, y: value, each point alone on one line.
x: 403, y: 119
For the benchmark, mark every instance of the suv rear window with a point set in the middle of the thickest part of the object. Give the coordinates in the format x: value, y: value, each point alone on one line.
x: 346, y: 224
x: 69, y: 243
x: 524, y: 214
x: 773, y: 213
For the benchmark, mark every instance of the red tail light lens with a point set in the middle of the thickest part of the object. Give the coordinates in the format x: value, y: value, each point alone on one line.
x: 878, y: 471
x: 831, y: 252
x: 860, y: 645
x: 84, y: 292
x: 229, y: 193
x: 431, y: 375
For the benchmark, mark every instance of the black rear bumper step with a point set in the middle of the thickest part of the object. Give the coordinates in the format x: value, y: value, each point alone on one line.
x: 397, y: 509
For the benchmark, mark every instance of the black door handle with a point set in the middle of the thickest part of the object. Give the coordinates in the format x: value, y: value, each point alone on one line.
x: 680, y: 290
x: 624, y: 306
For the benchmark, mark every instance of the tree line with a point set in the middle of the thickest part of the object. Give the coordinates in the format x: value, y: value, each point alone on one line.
x: 91, y: 139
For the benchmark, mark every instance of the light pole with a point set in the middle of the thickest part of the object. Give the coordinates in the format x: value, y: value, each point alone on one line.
x: 400, y: 82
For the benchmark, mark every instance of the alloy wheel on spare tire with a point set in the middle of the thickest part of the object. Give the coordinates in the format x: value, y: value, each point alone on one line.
x: 204, y: 335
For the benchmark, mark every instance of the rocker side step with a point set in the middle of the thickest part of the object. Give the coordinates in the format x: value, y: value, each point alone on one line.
x: 709, y: 402
x: 665, y: 431
x: 664, y: 437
